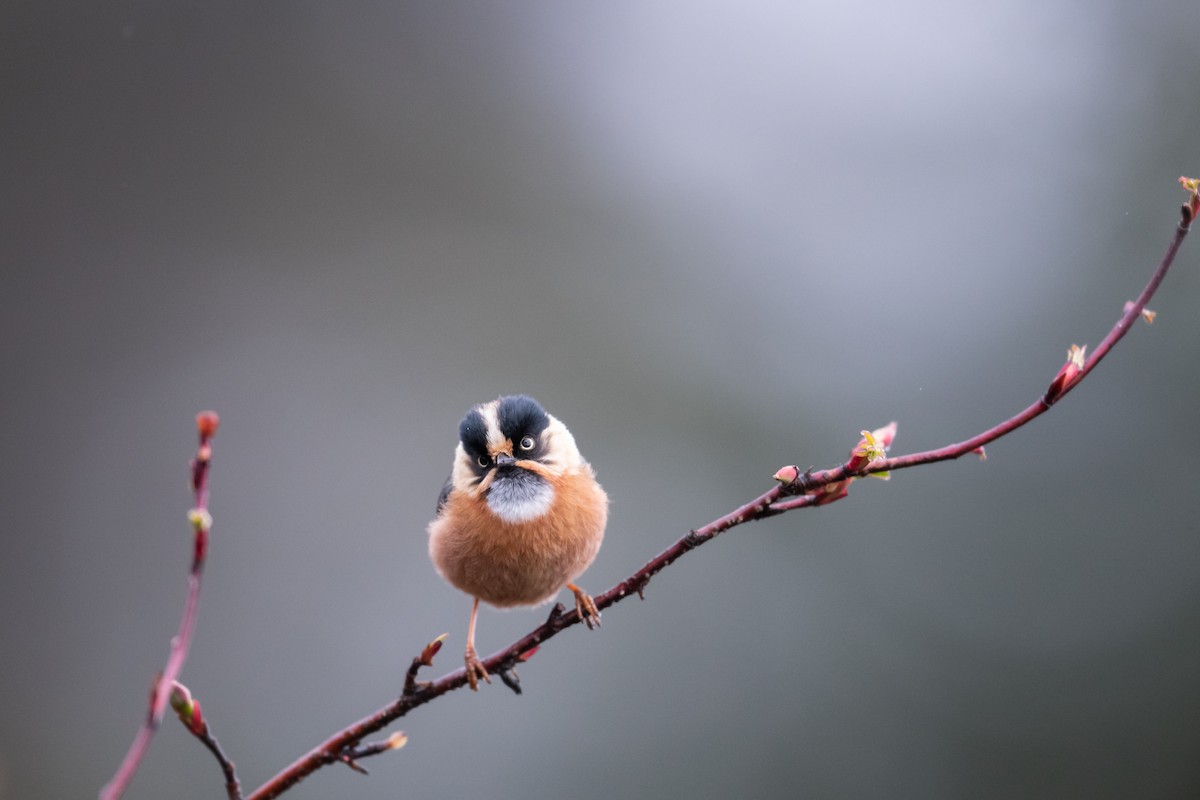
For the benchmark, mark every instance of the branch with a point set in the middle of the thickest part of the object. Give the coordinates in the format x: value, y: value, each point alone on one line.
x: 1068, y: 377
x: 206, y: 426
x: 796, y: 489
x: 394, y: 742
x: 188, y: 710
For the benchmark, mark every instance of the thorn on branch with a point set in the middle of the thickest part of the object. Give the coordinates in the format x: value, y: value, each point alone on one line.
x: 638, y: 583
x: 352, y: 764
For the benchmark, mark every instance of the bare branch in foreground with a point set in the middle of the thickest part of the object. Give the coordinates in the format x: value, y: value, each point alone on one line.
x: 201, y: 520
x: 796, y: 489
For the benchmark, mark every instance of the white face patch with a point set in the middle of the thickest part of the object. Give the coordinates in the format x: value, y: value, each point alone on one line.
x: 495, y: 439
x: 520, y: 496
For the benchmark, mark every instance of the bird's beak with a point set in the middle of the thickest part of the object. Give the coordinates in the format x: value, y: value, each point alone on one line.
x: 505, y: 460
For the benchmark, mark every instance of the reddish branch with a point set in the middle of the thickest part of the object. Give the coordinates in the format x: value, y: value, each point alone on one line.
x: 796, y: 490
x: 187, y: 708
x: 206, y: 425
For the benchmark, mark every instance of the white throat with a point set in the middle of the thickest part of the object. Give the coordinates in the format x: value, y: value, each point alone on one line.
x: 514, y: 499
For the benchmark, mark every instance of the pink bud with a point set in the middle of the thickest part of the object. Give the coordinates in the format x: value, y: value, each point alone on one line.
x: 431, y: 650
x: 886, y: 434
x: 1192, y: 187
x: 871, y: 447
x: 1067, y: 373
x: 207, y: 423
x: 196, y: 723
x: 787, y: 474
x: 180, y: 699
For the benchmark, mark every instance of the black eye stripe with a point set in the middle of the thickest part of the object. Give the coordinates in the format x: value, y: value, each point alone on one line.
x: 472, y: 432
x: 520, y: 415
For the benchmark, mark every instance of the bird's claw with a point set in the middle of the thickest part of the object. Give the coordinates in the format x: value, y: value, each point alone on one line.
x: 585, y: 607
x: 475, y: 669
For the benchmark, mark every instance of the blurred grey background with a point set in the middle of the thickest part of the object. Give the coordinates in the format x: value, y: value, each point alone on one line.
x: 715, y: 239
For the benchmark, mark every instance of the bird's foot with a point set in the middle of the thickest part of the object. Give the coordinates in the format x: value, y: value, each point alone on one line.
x: 585, y: 607
x: 475, y: 669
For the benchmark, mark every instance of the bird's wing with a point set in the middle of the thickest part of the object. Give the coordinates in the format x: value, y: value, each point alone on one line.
x: 445, y: 493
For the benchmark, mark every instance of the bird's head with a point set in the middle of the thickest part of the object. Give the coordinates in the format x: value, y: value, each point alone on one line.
x: 509, y: 452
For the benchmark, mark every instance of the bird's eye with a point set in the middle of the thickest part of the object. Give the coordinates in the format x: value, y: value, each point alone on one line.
x: 483, y: 461
x: 527, y: 443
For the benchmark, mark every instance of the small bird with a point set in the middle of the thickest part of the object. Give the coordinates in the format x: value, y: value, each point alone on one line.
x: 521, y: 515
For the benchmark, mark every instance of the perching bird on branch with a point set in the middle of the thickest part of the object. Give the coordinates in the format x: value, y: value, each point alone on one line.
x: 521, y: 515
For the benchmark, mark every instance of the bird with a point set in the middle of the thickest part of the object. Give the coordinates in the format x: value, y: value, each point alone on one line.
x: 520, y: 517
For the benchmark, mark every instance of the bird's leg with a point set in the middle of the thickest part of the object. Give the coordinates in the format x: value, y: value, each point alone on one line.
x: 475, y: 668
x: 585, y: 606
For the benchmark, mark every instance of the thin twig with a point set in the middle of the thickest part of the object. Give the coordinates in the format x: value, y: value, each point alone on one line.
x: 233, y: 789
x: 351, y: 756
x: 1130, y: 315
x: 800, y: 491
x: 206, y: 425
x: 187, y: 708
x: 424, y: 660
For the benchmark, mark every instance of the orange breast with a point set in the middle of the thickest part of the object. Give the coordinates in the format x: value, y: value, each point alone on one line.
x: 525, y: 563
